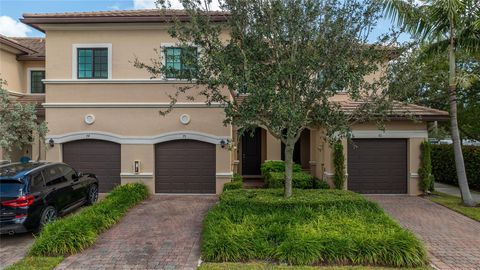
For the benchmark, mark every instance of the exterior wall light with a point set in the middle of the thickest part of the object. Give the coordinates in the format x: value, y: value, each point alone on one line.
x: 51, y: 142
x: 223, y: 143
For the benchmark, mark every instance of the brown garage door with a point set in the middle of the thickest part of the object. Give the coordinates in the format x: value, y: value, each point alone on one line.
x: 184, y: 166
x: 95, y: 156
x: 377, y: 166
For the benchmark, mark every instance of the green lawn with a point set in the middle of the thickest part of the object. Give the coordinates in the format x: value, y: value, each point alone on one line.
x: 265, y: 266
x: 37, y: 263
x: 311, y: 227
x: 455, y: 204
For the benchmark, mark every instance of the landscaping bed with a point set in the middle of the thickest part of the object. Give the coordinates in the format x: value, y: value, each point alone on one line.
x: 266, y: 266
x: 312, y: 227
x: 79, y: 231
x: 455, y: 203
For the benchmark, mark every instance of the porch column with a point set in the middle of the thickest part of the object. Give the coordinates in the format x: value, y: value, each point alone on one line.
x: 274, y: 148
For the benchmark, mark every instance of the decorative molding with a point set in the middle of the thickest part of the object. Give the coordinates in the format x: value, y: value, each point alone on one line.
x: 414, y: 175
x: 116, y: 81
x: 133, y: 105
x: 90, y: 45
x: 29, y: 79
x: 136, y: 175
x: 390, y: 134
x: 164, y: 137
x: 224, y: 174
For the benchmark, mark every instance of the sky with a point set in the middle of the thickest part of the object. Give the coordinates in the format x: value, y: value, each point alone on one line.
x: 11, y: 11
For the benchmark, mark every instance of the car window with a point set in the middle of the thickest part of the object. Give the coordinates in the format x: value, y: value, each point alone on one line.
x: 36, y: 182
x: 54, y: 176
x: 11, y: 188
x: 68, y: 172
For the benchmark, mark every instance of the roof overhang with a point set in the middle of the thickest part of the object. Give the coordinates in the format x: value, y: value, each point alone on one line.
x: 14, y: 46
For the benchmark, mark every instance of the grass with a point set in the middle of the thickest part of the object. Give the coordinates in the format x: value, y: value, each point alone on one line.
x: 39, y: 263
x: 455, y: 204
x: 266, y: 266
x: 79, y: 231
x: 312, y: 227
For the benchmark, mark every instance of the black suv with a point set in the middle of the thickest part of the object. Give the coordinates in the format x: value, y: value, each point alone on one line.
x: 33, y: 194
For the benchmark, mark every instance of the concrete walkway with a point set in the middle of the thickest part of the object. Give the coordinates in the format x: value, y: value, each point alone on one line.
x: 452, y: 240
x: 162, y: 232
x: 455, y: 191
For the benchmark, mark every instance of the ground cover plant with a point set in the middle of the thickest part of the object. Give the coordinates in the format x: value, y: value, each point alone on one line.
x: 79, y: 231
x: 266, y: 266
x: 455, y: 204
x: 312, y: 227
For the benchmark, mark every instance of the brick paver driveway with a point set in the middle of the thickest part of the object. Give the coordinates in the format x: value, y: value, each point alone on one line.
x: 13, y: 248
x: 161, y: 233
x: 452, y: 240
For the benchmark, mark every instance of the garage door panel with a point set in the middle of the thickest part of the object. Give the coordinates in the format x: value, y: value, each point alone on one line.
x: 377, y: 166
x: 95, y: 156
x: 185, y: 166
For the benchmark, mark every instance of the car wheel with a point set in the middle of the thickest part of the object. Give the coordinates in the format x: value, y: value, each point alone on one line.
x: 92, y: 194
x: 49, y: 214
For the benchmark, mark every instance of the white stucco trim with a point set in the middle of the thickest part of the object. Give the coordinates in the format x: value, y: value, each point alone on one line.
x: 133, y: 105
x: 414, y: 175
x: 116, y: 81
x: 164, y: 137
x: 136, y: 175
x: 389, y: 134
x: 224, y: 174
x: 29, y: 79
x: 89, y: 45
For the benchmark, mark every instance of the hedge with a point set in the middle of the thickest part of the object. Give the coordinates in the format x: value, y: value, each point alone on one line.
x: 237, y: 183
x: 301, y: 180
x: 277, y: 166
x: 77, y: 232
x: 443, y: 165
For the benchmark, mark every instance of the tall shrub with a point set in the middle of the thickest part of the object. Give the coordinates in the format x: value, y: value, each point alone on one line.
x: 339, y: 163
x: 425, y: 171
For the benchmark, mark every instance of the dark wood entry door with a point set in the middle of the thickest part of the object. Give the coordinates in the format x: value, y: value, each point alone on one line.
x: 252, y: 152
x: 185, y: 166
x: 95, y: 156
x: 377, y: 166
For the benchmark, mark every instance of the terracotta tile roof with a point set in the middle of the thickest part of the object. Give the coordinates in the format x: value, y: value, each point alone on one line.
x: 30, y: 48
x: 114, y: 16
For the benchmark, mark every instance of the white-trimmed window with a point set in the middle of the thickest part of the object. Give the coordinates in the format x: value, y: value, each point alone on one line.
x: 179, y: 61
x: 92, y: 61
x: 35, y: 79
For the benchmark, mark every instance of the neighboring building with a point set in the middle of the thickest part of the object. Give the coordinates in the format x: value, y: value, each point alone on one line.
x: 103, y: 116
x: 22, y: 66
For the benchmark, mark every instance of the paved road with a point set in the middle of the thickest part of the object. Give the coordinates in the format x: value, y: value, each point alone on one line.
x: 13, y: 248
x: 455, y: 191
x: 452, y: 240
x: 161, y: 233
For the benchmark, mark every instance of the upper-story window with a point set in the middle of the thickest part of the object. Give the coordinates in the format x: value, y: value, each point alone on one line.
x: 36, y: 84
x: 180, y: 62
x: 92, y: 63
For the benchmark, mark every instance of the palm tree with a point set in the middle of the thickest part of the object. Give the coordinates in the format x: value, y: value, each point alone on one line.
x: 443, y: 25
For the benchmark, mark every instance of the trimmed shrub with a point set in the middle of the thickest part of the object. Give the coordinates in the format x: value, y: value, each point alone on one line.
x: 277, y: 166
x: 73, y: 234
x: 425, y: 171
x: 312, y: 227
x: 232, y: 185
x: 320, y: 184
x: 339, y: 163
x: 299, y: 180
x: 443, y: 165
x: 237, y: 178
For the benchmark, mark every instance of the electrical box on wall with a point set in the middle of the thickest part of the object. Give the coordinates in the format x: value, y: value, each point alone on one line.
x: 136, y: 166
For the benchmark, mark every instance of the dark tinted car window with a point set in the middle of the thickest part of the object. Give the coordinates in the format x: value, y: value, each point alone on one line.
x: 68, y: 172
x: 36, y: 182
x: 11, y: 188
x: 53, y: 176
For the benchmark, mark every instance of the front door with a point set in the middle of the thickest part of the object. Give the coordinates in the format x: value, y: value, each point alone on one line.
x: 252, y: 152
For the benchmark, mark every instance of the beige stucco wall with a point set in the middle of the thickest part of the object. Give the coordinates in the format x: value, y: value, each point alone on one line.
x: 16, y: 72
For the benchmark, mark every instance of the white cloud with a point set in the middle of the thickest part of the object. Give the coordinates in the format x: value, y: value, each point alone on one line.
x: 12, y: 28
x: 175, y: 4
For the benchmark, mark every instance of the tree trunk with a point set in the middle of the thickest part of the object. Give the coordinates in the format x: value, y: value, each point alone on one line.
x: 457, y: 148
x: 288, y: 168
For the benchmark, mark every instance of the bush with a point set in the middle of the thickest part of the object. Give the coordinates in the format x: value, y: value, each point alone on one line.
x: 425, y: 171
x: 75, y: 233
x: 277, y: 166
x: 232, y: 185
x: 320, y: 184
x: 443, y: 165
x: 312, y: 227
x: 237, y: 178
x: 299, y: 180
